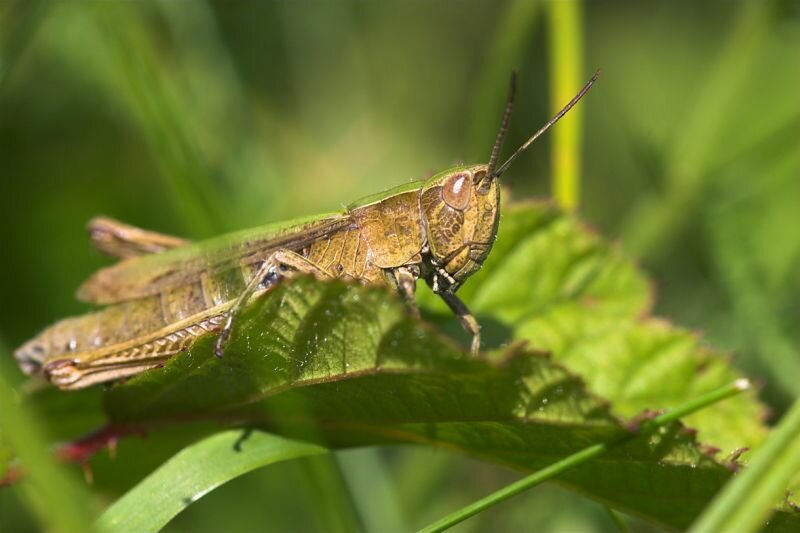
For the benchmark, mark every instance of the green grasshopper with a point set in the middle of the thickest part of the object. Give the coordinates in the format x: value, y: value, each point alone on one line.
x: 165, y: 292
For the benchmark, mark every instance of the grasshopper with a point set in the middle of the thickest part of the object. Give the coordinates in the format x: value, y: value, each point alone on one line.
x: 166, y: 292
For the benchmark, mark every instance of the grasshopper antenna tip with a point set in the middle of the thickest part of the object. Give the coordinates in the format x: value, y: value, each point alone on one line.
x: 502, y: 168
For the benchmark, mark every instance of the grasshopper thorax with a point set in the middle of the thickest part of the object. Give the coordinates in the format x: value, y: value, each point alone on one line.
x: 460, y: 208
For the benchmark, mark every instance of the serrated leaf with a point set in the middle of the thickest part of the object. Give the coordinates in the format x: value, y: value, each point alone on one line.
x: 585, y: 303
x: 344, y: 365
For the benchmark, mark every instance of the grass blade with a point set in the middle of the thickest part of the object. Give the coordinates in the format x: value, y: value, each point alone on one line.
x: 370, y: 482
x: 57, y: 500
x: 155, y: 95
x: 746, y: 502
x: 180, y: 482
x: 19, y: 21
x: 335, y: 506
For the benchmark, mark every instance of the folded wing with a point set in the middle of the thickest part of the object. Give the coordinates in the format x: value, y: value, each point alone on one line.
x: 138, y: 276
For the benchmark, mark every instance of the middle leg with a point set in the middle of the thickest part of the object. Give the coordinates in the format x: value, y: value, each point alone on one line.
x: 282, y: 263
x: 406, y: 279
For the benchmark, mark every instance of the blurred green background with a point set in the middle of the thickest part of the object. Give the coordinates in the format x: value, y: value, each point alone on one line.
x: 200, y: 117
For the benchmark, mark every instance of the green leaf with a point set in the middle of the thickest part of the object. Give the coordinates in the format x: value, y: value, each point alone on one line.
x: 194, y: 472
x: 344, y: 365
x: 551, y: 281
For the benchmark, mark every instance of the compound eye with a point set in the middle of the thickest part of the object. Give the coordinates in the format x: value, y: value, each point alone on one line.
x: 456, y: 190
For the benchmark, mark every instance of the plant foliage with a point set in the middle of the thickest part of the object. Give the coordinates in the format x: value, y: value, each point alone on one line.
x: 343, y: 365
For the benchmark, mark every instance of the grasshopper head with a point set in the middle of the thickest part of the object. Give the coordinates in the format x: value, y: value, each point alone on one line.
x: 460, y: 206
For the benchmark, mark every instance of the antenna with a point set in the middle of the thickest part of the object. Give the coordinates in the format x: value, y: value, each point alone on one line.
x: 501, y: 135
x: 543, y: 129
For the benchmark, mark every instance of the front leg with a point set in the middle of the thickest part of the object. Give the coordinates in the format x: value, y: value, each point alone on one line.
x: 468, y: 322
x: 282, y: 263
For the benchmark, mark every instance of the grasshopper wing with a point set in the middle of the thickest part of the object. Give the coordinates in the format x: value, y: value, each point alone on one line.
x: 147, y: 275
x: 121, y: 240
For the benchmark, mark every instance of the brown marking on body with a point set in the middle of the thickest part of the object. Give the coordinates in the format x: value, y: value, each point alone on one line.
x: 392, y: 229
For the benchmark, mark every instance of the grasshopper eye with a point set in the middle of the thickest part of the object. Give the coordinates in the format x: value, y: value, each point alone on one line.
x: 456, y: 190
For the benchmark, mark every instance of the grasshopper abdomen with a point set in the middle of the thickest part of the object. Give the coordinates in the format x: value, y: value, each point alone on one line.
x: 127, y: 337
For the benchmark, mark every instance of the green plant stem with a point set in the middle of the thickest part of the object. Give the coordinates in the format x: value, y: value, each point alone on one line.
x: 566, y: 65
x: 746, y: 502
x: 584, y: 455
